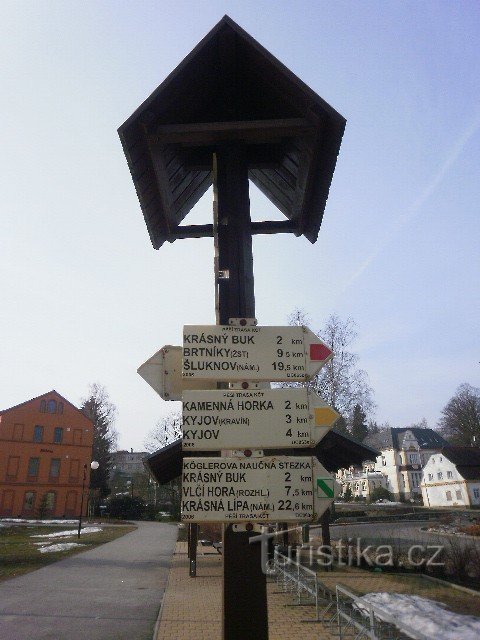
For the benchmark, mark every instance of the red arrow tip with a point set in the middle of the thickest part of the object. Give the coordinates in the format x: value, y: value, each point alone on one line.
x: 319, y: 352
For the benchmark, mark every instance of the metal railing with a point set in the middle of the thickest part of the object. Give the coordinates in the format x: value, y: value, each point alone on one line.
x: 346, y: 614
x: 357, y: 616
x: 295, y: 578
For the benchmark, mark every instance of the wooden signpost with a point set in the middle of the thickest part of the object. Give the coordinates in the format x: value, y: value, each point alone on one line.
x: 231, y: 113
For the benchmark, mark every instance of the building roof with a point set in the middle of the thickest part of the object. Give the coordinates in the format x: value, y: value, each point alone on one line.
x: 393, y: 438
x: 466, y: 459
x: 335, y: 451
x: 230, y: 88
x: 49, y: 394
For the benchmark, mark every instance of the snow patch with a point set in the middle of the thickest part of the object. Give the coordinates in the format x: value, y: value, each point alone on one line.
x: 63, y: 546
x: 67, y: 533
x: 429, y: 618
x: 23, y: 521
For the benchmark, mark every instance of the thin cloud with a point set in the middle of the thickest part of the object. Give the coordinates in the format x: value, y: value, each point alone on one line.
x: 416, y: 206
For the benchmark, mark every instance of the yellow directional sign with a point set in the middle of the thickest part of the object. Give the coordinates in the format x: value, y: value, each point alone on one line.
x: 254, y: 418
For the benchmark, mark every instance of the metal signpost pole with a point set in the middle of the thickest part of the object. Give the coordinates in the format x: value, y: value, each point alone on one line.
x: 245, y: 613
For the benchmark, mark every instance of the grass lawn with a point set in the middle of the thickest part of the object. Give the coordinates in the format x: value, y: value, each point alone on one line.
x: 19, y: 554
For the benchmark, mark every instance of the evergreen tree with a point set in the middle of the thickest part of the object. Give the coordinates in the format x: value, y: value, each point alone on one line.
x: 341, y: 426
x: 102, y: 413
x: 359, y: 427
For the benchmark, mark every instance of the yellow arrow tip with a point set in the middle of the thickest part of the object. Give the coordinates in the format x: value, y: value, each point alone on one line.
x: 325, y: 417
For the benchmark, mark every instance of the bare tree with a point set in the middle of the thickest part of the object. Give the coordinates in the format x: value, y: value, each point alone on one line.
x: 167, y: 430
x: 340, y: 382
x: 460, y: 421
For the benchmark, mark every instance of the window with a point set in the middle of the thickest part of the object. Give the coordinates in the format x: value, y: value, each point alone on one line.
x: 33, y: 466
x: 43, y: 406
x: 60, y: 408
x: 413, y: 458
x: 449, y: 474
x: 12, y: 467
x: 54, y: 467
x: 476, y: 493
x: 50, y: 501
x: 18, y: 432
x: 29, y: 501
x: 70, y: 503
x: 6, y: 505
x: 430, y: 476
x: 74, y: 470
x: 51, y: 406
x: 458, y: 493
x: 440, y: 475
x: 58, y: 435
x: 38, y: 433
x: 449, y: 495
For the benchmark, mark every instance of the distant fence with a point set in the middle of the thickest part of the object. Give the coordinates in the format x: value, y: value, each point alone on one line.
x: 344, y: 519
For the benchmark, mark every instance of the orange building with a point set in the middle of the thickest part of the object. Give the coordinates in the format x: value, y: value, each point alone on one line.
x: 45, y: 444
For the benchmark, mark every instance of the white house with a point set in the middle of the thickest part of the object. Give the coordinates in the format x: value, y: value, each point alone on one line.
x: 404, y: 453
x: 451, y: 478
x: 127, y: 462
x: 361, y: 483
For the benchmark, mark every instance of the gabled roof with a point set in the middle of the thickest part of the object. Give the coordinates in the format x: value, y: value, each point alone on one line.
x: 48, y: 395
x: 466, y: 459
x: 231, y: 88
x: 335, y: 451
x: 392, y: 438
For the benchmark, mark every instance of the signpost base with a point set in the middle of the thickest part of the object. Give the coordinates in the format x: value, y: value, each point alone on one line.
x: 243, y: 587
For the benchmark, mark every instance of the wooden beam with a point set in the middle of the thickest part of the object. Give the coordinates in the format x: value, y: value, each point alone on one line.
x: 274, y: 226
x: 208, y: 133
x: 257, y: 228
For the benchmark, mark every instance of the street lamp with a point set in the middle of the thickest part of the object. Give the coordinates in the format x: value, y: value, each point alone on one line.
x: 130, y: 485
x: 93, y: 465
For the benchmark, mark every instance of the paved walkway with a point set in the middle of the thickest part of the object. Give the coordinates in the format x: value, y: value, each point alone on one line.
x: 192, y: 607
x: 110, y: 593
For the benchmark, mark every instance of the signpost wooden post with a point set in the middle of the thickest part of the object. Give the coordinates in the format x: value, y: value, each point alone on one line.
x: 230, y: 113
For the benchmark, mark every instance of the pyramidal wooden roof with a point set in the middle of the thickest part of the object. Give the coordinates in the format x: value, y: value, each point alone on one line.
x: 336, y: 451
x: 231, y: 89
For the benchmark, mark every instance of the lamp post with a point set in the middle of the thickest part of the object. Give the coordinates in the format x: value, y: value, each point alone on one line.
x: 130, y: 486
x: 93, y: 465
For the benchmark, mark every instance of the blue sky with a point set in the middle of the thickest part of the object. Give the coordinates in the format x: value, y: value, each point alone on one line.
x: 84, y: 297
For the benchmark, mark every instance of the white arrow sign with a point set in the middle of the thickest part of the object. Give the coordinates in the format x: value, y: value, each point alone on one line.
x: 257, y: 419
x: 235, y: 353
x: 163, y: 372
x: 267, y: 489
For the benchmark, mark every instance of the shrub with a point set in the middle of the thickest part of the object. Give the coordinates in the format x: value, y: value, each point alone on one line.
x: 126, y: 507
x: 471, y: 530
x: 380, y: 493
